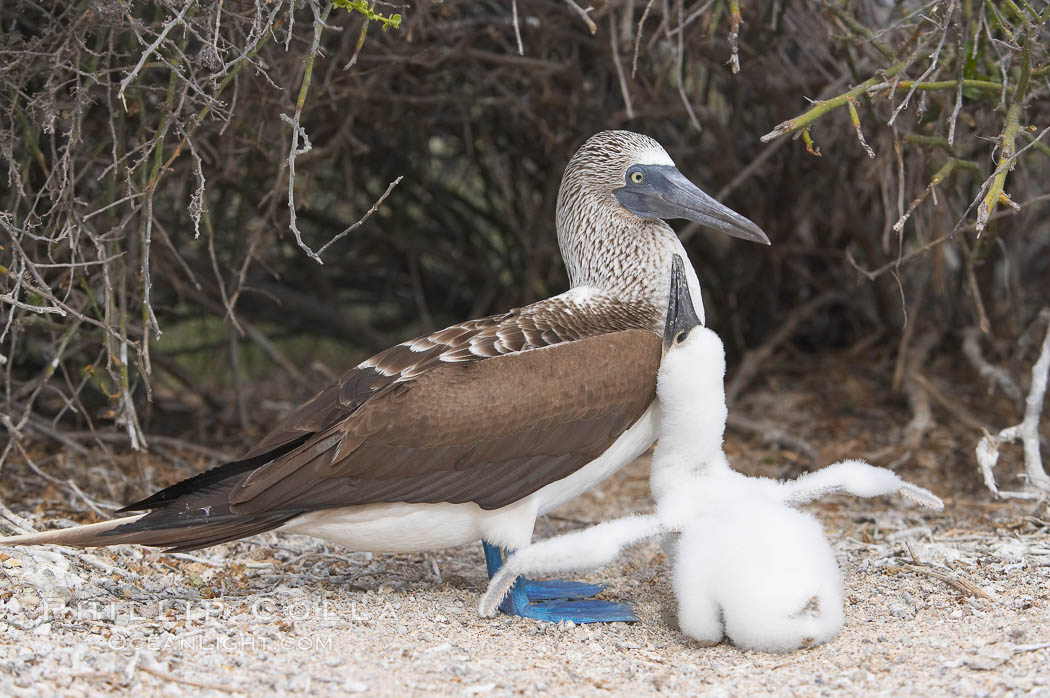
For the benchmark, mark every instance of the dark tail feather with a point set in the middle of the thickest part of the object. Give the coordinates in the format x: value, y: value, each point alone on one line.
x: 195, y: 520
x: 133, y: 529
x: 191, y: 514
x: 193, y: 527
x: 214, y: 476
x: 213, y: 535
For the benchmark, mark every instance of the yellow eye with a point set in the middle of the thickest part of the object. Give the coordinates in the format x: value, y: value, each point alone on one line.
x: 637, y: 177
x: 680, y: 337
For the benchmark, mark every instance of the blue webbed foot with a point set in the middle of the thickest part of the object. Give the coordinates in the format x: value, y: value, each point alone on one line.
x: 519, y: 603
x: 554, y: 601
x: 546, y: 590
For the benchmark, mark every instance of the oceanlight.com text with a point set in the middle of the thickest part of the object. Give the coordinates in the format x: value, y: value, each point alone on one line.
x: 196, y: 642
x: 254, y: 611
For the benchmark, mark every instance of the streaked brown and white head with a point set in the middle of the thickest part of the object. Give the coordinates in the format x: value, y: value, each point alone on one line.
x: 616, y: 192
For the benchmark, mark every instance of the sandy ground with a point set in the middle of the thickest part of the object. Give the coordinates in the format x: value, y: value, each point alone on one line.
x: 965, y: 611
x: 950, y: 603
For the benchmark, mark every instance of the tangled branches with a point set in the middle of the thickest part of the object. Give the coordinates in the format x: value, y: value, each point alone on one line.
x: 176, y: 169
x: 1017, y: 31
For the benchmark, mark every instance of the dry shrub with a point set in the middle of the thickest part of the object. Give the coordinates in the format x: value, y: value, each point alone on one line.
x: 152, y: 280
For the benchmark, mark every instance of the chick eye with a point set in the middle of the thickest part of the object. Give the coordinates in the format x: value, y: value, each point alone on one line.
x: 636, y: 177
x: 680, y: 337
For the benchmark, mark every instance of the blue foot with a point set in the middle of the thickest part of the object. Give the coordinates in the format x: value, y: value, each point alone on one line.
x: 555, y: 589
x: 554, y: 601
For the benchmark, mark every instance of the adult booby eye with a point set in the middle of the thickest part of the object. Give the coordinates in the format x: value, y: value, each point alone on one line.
x: 661, y: 191
x: 680, y: 337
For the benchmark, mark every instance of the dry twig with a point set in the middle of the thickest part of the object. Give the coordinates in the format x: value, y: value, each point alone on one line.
x: 952, y: 578
x: 583, y: 14
x: 1027, y: 432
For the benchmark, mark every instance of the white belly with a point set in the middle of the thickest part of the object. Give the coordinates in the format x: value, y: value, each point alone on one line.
x: 399, y: 527
x: 631, y: 444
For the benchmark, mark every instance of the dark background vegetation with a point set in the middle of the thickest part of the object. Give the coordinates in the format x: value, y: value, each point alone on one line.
x: 154, y: 293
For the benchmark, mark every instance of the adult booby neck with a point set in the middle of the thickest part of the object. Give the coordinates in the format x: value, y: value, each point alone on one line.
x: 473, y: 431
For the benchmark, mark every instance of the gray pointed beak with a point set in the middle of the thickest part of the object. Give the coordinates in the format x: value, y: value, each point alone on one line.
x: 681, y: 315
x: 666, y: 193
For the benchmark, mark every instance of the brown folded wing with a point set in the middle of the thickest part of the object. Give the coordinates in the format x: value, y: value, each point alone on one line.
x: 489, y: 432
x: 487, y: 411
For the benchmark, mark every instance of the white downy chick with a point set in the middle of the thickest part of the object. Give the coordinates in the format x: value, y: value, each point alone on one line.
x: 746, y: 564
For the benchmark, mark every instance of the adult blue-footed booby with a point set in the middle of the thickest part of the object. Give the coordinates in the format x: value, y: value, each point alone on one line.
x: 474, y: 431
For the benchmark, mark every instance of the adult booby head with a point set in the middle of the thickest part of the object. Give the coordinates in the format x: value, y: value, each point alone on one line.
x: 473, y: 431
x: 636, y: 172
x: 616, y: 193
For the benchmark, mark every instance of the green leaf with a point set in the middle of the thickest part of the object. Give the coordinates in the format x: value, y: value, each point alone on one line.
x: 363, y: 7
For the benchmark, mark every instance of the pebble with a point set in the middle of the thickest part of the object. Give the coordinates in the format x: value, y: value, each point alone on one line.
x: 438, y: 649
x: 899, y: 610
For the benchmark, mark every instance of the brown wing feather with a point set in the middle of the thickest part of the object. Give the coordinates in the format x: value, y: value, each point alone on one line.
x: 400, y: 362
x: 489, y: 431
x: 444, y: 417
x: 547, y: 323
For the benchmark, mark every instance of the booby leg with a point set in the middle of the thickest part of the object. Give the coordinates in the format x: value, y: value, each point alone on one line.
x: 540, y: 590
x: 553, y: 600
x: 510, y: 591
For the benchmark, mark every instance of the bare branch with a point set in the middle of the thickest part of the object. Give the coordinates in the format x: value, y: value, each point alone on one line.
x: 517, y: 26
x: 996, y: 193
x: 583, y: 15
x: 638, y: 37
x: 168, y: 26
x: 1027, y: 432
x: 934, y: 57
x: 680, y: 55
x: 995, y: 375
x: 614, y: 46
x: 362, y: 219
x: 298, y: 130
